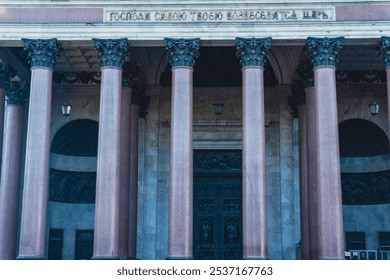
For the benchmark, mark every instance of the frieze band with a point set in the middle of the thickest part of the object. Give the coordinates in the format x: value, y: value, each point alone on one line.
x: 219, y: 15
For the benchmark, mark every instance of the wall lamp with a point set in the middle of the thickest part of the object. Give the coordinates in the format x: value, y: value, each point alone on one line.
x: 218, y: 107
x: 66, y: 108
x: 374, y: 108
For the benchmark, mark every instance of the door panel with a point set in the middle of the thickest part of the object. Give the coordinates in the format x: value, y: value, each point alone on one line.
x: 217, y: 218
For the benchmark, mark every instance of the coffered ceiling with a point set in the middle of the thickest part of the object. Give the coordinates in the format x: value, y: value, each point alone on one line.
x: 84, y: 59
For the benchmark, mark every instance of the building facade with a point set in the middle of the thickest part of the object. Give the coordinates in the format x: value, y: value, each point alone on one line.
x: 194, y: 129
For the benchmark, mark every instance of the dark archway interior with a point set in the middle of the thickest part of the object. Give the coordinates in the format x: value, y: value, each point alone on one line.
x: 361, y: 138
x: 76, y: 138
x: 218, y: 67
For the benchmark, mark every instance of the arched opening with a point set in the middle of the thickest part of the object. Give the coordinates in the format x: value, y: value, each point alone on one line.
x: 73, y: 142
x: 361, y: 138
x: 72, y: 190
x: 76, y: 138
x: 365, y: 180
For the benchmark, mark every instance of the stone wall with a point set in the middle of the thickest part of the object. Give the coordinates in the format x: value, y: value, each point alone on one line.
x: 221, y: 132
x: 218, y: 132
x: 353, y: 100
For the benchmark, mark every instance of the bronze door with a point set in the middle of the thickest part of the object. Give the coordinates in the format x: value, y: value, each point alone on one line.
x: 217, y: 209
x: 217, y: 219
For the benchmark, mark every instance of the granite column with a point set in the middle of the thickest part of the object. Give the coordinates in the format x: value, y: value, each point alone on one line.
x: 252, y: 53
x: 323, y: 53
x: 41, y: 54
x: 11, y: 168
x: 112, y: 53
x: 182, y: 54
x: 298, y: 104
x: 134, y: 120
x: 385, y: 52
x: 6, y: 73
x: 125, y: 170
x: 311, y: 166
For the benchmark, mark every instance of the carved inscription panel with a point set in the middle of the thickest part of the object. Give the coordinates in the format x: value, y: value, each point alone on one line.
x: 236, y: 15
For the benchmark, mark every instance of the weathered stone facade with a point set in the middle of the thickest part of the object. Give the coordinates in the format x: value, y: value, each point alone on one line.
x: 270, y: 41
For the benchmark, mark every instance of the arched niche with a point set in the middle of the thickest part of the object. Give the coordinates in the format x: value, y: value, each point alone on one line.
x: 73, y: 162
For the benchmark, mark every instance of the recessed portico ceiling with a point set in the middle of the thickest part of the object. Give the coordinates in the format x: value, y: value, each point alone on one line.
x: 84, y: 58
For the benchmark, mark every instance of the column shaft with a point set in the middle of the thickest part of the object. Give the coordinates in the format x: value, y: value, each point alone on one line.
x: 181, y: 165
x: 384, y: 49
x: 254, y: 192
x: 10, y: 181
x: 133, y: 182
x: 330, y: 214
x: 6, y: 74
x: 125, y: 173
x: 36, y: 175
x: 2, y: 108
x: 304, y: 196
x: 388, y: 93
x: 108, y: 191
x: 311, y: 172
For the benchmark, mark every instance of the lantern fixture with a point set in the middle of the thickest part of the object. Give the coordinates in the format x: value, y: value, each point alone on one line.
x: 65, y: 108
x: 218, y: 106
x: 374, y: 108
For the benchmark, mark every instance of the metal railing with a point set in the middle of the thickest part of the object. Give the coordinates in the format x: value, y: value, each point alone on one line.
x: 383, y: 253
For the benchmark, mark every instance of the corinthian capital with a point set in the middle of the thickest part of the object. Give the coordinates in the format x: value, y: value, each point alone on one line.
x: 385, y: 50
x: 17, y: 93
x: 41, y: 53
x: 111, y: 52
x: 324, y: 51
x: 6, y: 74
x: 305, y: 72
x: 252, y: 51
x: 182, y: 52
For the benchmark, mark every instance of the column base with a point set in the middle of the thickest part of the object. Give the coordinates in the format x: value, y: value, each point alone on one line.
x: 39, y: 258
x: 130, y: 258
x: 255, y: 258
x: 104, y: 258
x: 331, y: 258
x: 179, y: 258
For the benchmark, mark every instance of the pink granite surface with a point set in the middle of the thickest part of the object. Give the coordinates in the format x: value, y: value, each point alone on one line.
x: 363, y: 12
x: 51, y: 15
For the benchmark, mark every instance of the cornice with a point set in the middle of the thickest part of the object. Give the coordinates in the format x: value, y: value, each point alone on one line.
x: 221, y: 34
x: 66, y: 3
